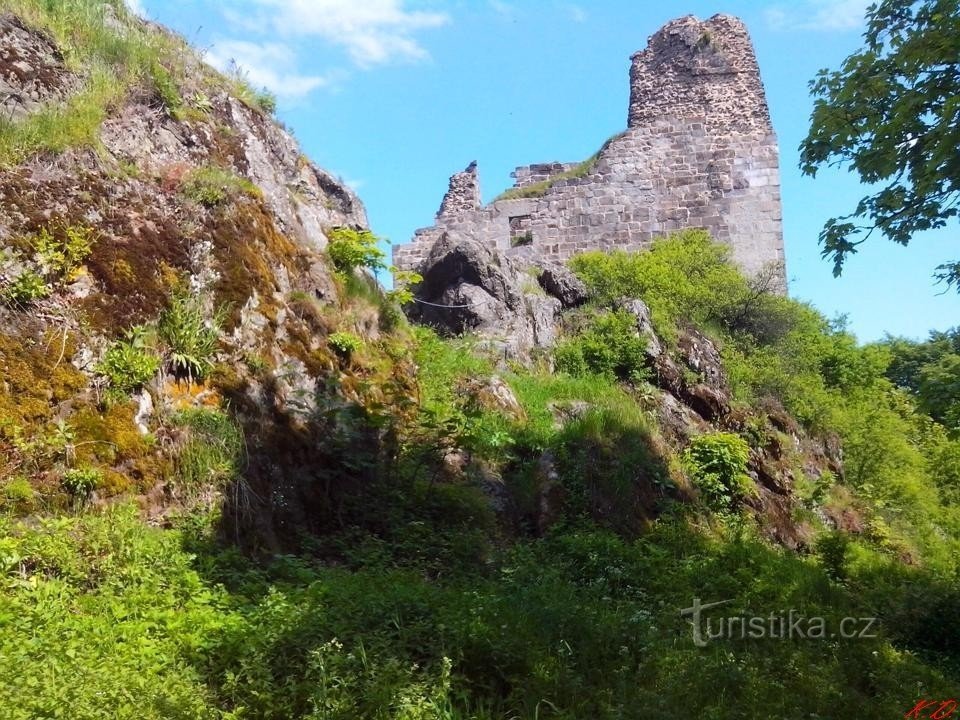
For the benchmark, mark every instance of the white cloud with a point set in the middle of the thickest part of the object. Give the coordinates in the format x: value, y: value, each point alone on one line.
x: 372, y: 31
x: 136, y: 7
x: 265, y: 65
x: 577, y: 13
x: 828, y: 15
x: 503, y: 9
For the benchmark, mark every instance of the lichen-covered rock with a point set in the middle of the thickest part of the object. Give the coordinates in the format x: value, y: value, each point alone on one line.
x: 639, y: 309
x: 494, y: 394
x: 560, y: 282
x: 467, y: 287
x: 32, y: 70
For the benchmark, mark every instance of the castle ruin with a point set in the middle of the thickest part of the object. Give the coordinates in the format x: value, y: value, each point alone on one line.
x: 699, y: 152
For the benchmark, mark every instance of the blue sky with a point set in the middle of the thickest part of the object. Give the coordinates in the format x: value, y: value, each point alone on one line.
x: 396, y: 95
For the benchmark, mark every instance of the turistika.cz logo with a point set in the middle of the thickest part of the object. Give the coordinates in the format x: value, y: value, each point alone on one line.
x: 786, y: 625
x: 933, y: 709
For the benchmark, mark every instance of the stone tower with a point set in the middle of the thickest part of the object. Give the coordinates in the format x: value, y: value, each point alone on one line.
x: 698, y: 151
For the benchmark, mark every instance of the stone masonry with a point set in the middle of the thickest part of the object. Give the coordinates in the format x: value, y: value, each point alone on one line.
x: 699, y: 152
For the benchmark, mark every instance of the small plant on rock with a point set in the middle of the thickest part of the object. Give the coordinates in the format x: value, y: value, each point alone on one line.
x: 717, y: 463
x: 129, y: 363
x: 190, y: 338
x: 27, y: 287
x: 350, y: 249
x: 212, y: 186
x: 81, y: 482
x: 344, y: 343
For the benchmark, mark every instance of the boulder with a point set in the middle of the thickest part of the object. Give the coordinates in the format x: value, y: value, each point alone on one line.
x: 639, y: 309
x: 469, y: 287
x: 560, y: 282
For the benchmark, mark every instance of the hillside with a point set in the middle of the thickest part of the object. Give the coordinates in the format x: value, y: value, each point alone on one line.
x: 242, y: 480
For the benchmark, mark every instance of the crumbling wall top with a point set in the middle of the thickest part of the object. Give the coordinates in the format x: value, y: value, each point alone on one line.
x: 693, y: 68
x: 463, y: 195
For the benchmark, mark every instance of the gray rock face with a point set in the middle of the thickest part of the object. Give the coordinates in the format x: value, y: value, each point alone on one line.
x: 467, y: 287
x: 560, y: 282
x: 32, y: 70
x: 639, y: 309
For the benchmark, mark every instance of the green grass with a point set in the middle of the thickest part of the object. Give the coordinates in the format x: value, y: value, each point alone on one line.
x: 211, y: 186
x: 110, y: 62
x: 110, y: 618
x: 539, y: 189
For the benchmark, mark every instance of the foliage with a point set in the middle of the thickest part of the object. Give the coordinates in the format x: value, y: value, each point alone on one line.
x: 580, y: 623
x: 81, y: 482
x: 109, y: 60
x: 28, y: 286
x: 213, y: 453
x: 56, y: 255
x: 190, y: 338
x: 684, y: 277
x: 717, y: 462
x: 890, y: 114
x: 609, y: 346
x: 930, y: 371
x: 350, y: 249
x: 345, y: 343
x: 403, y: 282
x: 260, y: 99
x: 61, y: 253
x: 212, y: 186
x: 130, y: 362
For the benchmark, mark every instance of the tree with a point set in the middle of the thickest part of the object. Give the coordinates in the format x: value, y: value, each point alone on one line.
x: 892, y: 114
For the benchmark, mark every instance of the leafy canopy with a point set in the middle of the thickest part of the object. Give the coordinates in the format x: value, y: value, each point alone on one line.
x: 892, y: 114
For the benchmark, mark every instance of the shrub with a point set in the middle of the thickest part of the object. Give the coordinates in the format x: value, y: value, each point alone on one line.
x: 609, y: 346
x: 717, y: 463
x: 129, y: 363
x: 349, y: 249
x: 25, y: 288
x: 212, y: 186
x: 61, y: 253
x: 81, y: 482
x: 191, y: 340
x: 345, y: 343
x: 213, y: 452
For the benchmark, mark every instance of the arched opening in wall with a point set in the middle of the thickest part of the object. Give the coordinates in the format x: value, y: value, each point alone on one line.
x: 521, y: 232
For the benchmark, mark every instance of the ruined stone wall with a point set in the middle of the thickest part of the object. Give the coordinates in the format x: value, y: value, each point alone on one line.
x: 463, y: 194
x: 699, y: 152
x: 527, y: 175
x: 699, y: 69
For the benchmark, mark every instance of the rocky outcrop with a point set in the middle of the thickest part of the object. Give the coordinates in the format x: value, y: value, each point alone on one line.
x: 560, y: 282
x: 32, y: 70
x: 467, y: 287
x: 211, y: 198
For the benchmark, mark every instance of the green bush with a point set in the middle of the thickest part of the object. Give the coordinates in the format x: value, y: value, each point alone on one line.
x: 609, y: 346
x: 345, y: 343
x: 213, y: 452
x: 61, y: 253
x: 25, y: 288
x: 129, y: 363
x: 57, y: 256
x: 717, y: 463
x: 81, y: 482
x: 350, y: 249
x: 212, y: 186
x: 191, y: 340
